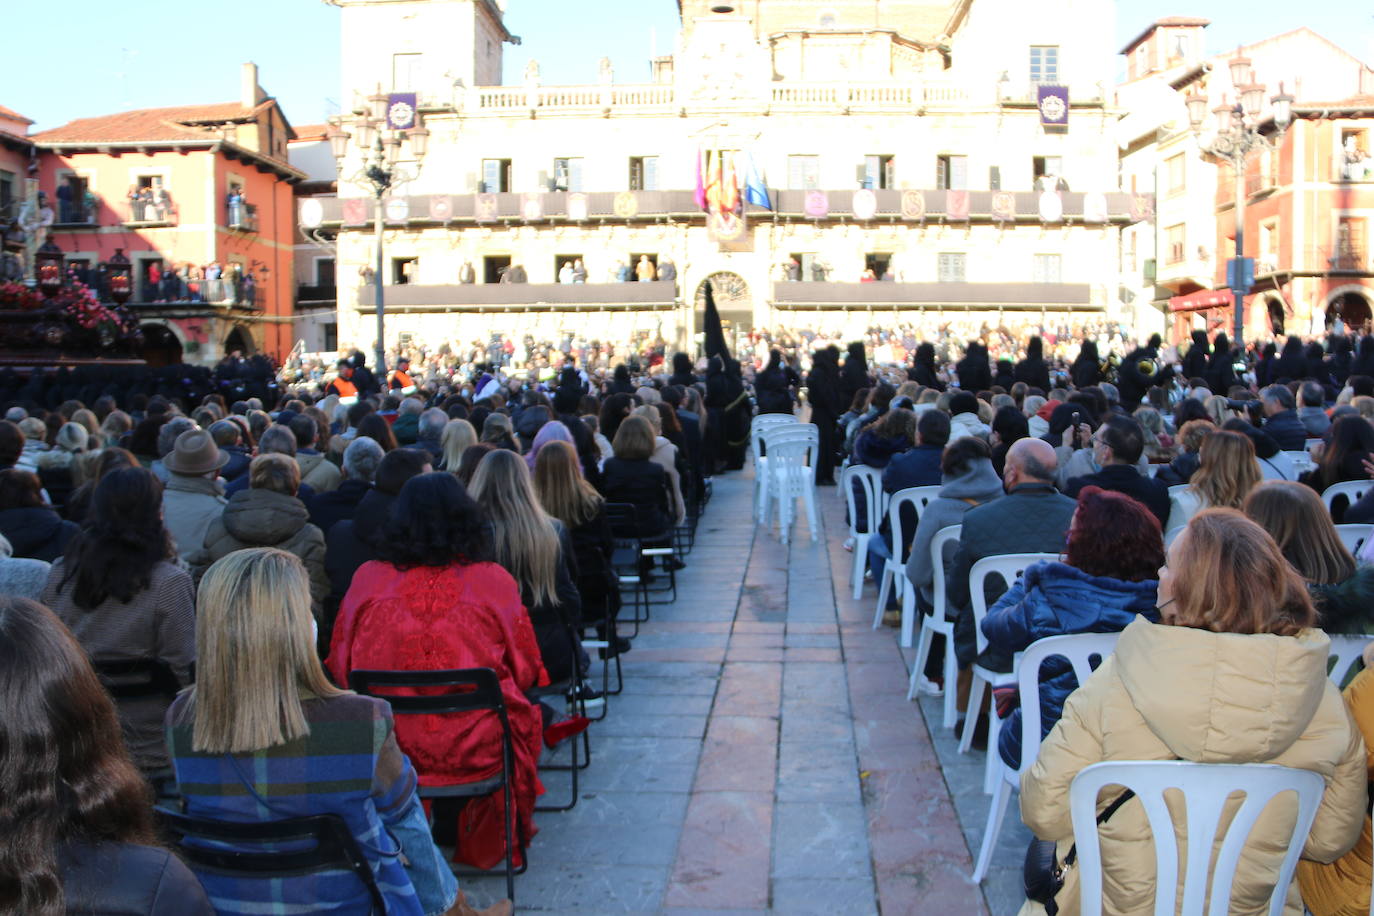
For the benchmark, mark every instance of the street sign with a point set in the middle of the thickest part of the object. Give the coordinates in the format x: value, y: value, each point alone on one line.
x: 1245, y: 278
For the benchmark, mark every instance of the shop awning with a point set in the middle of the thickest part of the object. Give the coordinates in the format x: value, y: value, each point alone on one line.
x: 1201, y: 300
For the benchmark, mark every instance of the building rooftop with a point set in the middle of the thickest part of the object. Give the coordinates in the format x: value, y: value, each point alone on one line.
x: 1166, y: 22
x: 12, y: 115
x: 152, y: 125
x: 311, y: 132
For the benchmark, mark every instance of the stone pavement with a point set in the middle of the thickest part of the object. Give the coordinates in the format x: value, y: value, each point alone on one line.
x: 763, y: 757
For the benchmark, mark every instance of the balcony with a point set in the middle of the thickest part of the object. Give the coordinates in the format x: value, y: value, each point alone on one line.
x: 499, y: 297
x: 145, y: 214
x: 929, y: 206
x: 76, y: 213
x: 1353, y: 167
x: 175, y: 289
x: 243, y: 217
x: 1354, y: 258
x: 305, y: 293
x: 807, y: 296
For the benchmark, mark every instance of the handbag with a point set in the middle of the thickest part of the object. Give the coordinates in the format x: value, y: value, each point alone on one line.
x: 1041, y: 874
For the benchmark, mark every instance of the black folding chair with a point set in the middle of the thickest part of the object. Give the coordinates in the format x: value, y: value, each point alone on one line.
x: 142, y: 679
x: 569, y: 690
x: 333, y: 849
x: 474, y: 690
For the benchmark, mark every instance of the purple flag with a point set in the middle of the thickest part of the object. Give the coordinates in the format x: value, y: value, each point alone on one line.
x: 1053, y: 102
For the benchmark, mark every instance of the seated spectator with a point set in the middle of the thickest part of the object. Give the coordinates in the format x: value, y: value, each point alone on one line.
x: 1341, y: 887
x: 433, y: 601
x: 472, y: 456
x: 457, y: 438
x: 967, y: 480
x: 963, y: 417
x: 1350, y: 443
x: 262, y: 705
x: 228, y: 436
x: 1297, y: 520
x: 1009, y: 425
x: 33, y: 528
x: 269, y: 514
x: 34, y: 440
x: 430, y: 433
x: 354, y: 541
x: 1190, y: 438
x: 317, y: 472
x: 920, y: 466
x: 20, y: 576
x: 376, y: 428
x: 1312, y: 409
x: 278, y: 439
x: 891, y: 434
x: 569, y: 499
x: 1236, y: 623
x: 95, y: 467
x: 360, y: 461
x: 58, y: 467
x: 632, y: 477
x: 497, y: 430
x: 1159, y: 445
x: 122, y: 594
x: 537, y: 551
x: 407, y: 425
x: 1281, y: 419
x: 1226, y: 474
x: 1108, y: 577
x: 83, y: 841
x: 193, y: 496
x: 1118, y: 445
x: 166, y: 441
x: 1273, y: 463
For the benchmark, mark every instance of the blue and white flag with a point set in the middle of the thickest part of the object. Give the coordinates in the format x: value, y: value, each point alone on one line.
x: 754, y: 189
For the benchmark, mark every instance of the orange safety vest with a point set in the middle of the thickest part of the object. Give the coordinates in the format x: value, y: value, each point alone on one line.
x: 344, y: 388
x: 400, y: 379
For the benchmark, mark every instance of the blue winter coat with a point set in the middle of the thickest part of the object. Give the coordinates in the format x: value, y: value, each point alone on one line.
x: 1055, y: 599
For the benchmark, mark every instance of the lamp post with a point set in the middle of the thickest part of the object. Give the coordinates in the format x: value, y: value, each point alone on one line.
x: 380, y: 133
x: 1237, y: 133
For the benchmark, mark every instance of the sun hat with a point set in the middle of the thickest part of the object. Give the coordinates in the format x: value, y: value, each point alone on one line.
x: 195, y: 453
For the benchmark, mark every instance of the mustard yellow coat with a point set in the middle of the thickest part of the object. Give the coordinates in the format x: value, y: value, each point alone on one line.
x: 1342, y: 887
x: 1178, y: 693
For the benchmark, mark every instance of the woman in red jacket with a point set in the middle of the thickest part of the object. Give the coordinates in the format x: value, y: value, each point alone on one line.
x: 435, y: 601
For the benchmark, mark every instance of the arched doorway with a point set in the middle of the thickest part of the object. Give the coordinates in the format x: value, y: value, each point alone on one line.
x: 733, y: 301
x: 1351, y: 307
x: 239, y: 341
x: 161, y: 347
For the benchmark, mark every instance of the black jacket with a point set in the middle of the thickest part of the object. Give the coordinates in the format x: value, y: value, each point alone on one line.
x: 1195, y: 360
x: 122, y: 879
x: 771, y: 391
x: 1121, y: 478
x: 641, y: 484
x: 348, y: 545
x: 1133, y: 383
x: 1180, y: 470
x: 1034, y: 372
x: 1085, y: 373
x: 975, y: 374
x: 597, y: 582
x: 336, y: 505
x: 36, y: 532
x: 1287, y: 430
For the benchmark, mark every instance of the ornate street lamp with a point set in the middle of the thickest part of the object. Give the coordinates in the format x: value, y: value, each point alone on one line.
x: 1235, y: 136
x: 119, y: 272
x: 49, y: 260
x: 380, y: 132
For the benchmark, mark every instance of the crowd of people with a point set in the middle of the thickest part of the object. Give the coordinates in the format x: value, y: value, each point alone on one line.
x: 257, y: 549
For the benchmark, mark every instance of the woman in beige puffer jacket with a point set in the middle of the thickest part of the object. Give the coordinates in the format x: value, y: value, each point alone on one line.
x: 1234, y: 673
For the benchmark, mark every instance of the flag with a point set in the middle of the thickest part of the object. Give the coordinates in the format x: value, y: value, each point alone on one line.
x: 713, y: 195
x: 711, y: 328
x: 729, y: 184
x: 701, y: 180
x: 755, y: 191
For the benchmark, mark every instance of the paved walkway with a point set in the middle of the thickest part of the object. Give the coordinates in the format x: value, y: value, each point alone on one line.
x: 763, y: 757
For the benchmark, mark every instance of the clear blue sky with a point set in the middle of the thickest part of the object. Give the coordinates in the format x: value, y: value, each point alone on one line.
x: 93, y: 57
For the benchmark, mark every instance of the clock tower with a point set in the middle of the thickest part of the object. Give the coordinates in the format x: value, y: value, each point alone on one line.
x: 429, y: 47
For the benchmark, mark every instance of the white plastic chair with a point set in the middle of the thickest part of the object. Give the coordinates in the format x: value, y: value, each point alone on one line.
x: 1302, y: 461
x: 1177, y: 489
x: 934, y: 622
x: 1345, y: 653
x: 792, y: 468
x: 1206, y: 788
x: 1352, y: 490
x: 1170, y: 536
x: 1354, y: 536
x: 1078, y: 649
x: 757, y: 426
x: 1009, y: 567
x: 870, y: 481
x: 894, y: 568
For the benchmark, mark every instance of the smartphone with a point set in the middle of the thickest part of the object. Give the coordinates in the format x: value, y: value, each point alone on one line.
x: 1077, y: 422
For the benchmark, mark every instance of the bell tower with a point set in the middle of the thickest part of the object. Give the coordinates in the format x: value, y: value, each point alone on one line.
x: 429, y: 47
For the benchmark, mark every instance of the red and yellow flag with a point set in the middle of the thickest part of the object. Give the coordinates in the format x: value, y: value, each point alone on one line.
x: 729, y: 195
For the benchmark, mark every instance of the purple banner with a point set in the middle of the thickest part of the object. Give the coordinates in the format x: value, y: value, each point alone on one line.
x: 400, y: 110
x: 1053, y: 102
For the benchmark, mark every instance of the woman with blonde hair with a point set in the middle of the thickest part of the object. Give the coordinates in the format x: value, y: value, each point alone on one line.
x: 1297, y: 520
x: 263, y: 735
x: 58, y: 467
x: 458, y: 435
x: 1227, y: 472
x: 87, y: 418
x: 1217, y: 410
x: 665, y: 456
x: 1234, y: 672
x: 117, y: 425
x: 566, y: 496
x: 536, y: 551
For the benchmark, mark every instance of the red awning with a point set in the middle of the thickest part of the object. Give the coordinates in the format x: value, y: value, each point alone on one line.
x: 1200, y: 300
